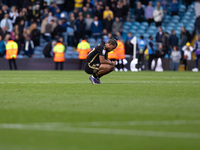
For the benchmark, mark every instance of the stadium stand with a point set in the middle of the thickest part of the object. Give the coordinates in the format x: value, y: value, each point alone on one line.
x: 37, y: 10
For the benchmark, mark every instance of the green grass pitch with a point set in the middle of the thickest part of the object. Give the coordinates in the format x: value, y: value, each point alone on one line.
x: 62, y: 110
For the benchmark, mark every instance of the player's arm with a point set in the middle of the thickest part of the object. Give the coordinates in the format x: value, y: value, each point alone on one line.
x: 105, y: 61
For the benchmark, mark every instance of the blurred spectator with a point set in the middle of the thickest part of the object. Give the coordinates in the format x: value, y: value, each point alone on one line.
x: 80, y: 28
x: 1, y: 14
x: 53, y: 6
x: 197, y: 8
x: 98, y: 12
x: 96, y: 28
x: 173, y: 39
x: 165, y: 43
x: 60, y: 3
x: 13, y: 14
x: 151, y: 51
x: 105, y: 37
x: 43, y: 26
x: 35, y: 34
x: 118, y: 11
x: 197, y: 52
x: 18, y: 41
x: 183, y: 40
x: 118, y: 36
x: 129, y: 46
x: 174, y: 8
x: 78, y: 4
x: 14, y: 32
x: 125, y: 10
x: 197, y: 25
x: 57, y: 32
x: 139, y: 12
x: 175, y: 57
x: 187, y: 49
x: 3, y: 32
x: 48, y: 31
x: 140, y: 52
x: 70, y: 36
x: 88, y: 21
x: 149, y: 13
x: 159, y: 35
x: 165, y: 5
x: 117, y: 26
x: 158, y: 15
x: 48, y: 49
x: 5, y: 9
x: 28, y: 47
x: 108, y: 14
x: 160, y: 52
x: 72, y: 19
x: 7, y: 23
x: 30, y: 14
x: 83, y: 49
x: 2, y: 47
x: 58, y: 14
x: 183, y: 30
x: 86, y: 11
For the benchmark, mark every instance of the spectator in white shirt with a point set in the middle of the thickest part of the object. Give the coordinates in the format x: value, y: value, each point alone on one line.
x: 187, y: 49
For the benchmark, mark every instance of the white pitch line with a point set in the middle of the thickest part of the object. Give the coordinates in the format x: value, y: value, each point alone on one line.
x: 128, y: 123
x: 129, y: 132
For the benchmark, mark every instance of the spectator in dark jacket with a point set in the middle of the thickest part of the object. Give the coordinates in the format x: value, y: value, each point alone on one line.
x: 28, y: 47
x: 35, y: 34
x: 48, y: 48
x: 174, y: 8
x: 159, y: 35
x: 96, y: 28
x: 173, y: 39
x: 187, y: 33
x: 139, y: 12
x: 197, y: 25
x: 80, y: 27
x: 165, y: 43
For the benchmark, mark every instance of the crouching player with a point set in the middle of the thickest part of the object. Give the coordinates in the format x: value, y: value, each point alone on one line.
x: 97, y: 62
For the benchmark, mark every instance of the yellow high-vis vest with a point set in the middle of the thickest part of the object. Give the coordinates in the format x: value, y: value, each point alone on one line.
x: 11, y: 49
x: 59, y: 52
x: 83, y: 49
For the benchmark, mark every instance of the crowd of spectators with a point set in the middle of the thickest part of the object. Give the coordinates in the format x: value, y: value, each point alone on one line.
x: 26, y: 21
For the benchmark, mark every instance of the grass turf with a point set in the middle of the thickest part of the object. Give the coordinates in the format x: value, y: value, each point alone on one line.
x: 49, y: 110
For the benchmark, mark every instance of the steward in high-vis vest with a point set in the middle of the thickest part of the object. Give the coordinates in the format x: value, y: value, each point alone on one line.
x: 113, y: 55
x: 83, y: 49
x: 11, y: 53
x: 120, y: 50
x: 59, y: 55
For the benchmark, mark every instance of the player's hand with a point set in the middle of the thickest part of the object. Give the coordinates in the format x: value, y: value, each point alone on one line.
x: 113, y: 63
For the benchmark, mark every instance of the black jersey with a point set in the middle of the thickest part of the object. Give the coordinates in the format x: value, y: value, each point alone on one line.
x: 93, y: 56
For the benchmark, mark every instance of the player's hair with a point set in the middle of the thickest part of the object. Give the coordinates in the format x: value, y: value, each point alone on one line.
x: 112, y: 41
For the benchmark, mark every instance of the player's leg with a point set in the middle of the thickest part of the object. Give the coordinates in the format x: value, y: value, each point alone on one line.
x: 105, y: 69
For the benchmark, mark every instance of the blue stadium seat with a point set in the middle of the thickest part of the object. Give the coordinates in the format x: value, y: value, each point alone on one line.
x: 91, y: 40
x: 70, y: 48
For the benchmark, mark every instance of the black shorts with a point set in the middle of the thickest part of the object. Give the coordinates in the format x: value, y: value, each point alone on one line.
x: 91, y: 68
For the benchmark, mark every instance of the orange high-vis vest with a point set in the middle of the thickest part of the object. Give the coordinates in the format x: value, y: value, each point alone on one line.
x: 11, y: 49
x: 120, y: 50
x: 112, y: 55
x: 83, y: 49
x: 59, y: 52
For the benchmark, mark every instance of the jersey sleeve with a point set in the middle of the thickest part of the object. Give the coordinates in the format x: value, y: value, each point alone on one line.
x: 101, y: 51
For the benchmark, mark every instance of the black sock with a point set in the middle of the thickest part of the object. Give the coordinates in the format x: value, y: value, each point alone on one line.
x: 95, y: 75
